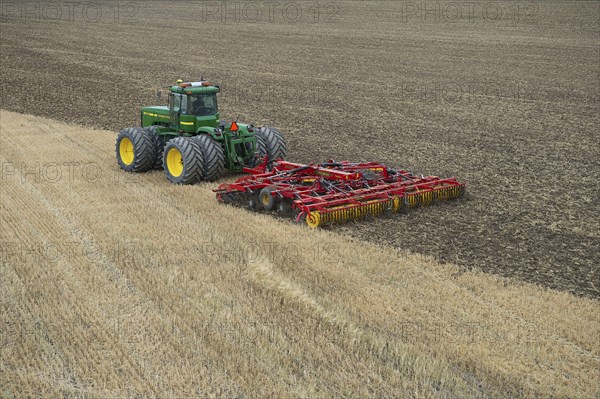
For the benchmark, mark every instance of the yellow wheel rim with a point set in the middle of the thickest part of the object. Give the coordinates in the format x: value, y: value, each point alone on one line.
x: 313, y: 219
x: 174, y: 162
x: 126, y: 151
x: 265, y: 199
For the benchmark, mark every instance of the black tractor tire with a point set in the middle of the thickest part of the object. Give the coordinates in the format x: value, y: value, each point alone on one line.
x: 261, y: 151
x: 135, y: 149
x: 183, y: 161
x: 270, y: 141
x: 159, y: 145
x: 214, y: 157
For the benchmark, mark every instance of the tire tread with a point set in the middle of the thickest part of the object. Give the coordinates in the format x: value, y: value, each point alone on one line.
x: 193, y: 161
x: 214, y: 157
x: 143, y: 147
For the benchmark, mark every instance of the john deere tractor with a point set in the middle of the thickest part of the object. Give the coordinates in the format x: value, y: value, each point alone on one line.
x: 190, y: 141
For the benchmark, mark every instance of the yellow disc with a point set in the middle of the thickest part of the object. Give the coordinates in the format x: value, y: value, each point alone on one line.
x: 313, y: 219
x: 126, y: 151
x: 174, y: 162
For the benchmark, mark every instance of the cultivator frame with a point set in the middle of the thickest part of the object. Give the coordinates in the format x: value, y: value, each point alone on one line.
x: 335, y: 191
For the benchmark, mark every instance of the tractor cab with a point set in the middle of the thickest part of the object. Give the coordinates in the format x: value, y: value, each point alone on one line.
x: 193, y: 104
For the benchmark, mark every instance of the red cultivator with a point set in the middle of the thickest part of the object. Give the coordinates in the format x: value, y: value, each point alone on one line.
x: 335, y: 191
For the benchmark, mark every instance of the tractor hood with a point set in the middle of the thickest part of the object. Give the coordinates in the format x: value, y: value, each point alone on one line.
x: 156, y: 113
x: 157, y: 108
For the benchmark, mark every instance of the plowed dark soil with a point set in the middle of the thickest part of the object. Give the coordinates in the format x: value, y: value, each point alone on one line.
x: 511, y: 106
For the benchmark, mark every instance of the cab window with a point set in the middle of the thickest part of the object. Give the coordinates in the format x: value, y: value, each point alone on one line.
x: 179, y: 103
x: 203, y: 104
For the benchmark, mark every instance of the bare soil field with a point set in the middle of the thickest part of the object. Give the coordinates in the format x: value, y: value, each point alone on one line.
x: 124, y: 285
x: 505, y: 97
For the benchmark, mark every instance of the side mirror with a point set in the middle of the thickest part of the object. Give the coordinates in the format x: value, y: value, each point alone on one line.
x: 158, y: 94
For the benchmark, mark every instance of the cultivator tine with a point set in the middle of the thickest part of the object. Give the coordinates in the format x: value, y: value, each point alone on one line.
x: 411, y: 200
x: 427, y: 198
x: 446, y: 193
x: 419, y: 198
x: 336, y: 192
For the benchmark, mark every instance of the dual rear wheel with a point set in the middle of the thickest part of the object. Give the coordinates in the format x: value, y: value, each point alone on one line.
x: 136, y: 149
x: 186, y: 160
x: 183, y: 161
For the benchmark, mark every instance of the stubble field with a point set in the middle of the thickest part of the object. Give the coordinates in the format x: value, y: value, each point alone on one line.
x: 119, y: 285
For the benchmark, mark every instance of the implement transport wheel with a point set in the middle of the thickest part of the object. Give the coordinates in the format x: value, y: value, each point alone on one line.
x: 135, y: 150
x: 158, y: 144
x: 182, y: 161
x: 270, y: 141
x: 266, y: 199
x: 214, y: 157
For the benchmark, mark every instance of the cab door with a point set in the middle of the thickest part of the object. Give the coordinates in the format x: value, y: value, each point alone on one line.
x: 178, y: 105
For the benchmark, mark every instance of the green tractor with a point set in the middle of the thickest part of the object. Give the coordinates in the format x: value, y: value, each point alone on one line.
x: 190, y: 142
